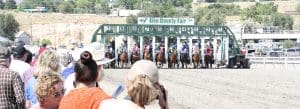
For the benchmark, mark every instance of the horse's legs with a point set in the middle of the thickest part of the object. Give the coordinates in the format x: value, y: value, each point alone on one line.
x: 210, y: 61
x: 206, y: 61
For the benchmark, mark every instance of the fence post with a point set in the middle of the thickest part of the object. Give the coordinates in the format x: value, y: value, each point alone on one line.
x: 285, y: 62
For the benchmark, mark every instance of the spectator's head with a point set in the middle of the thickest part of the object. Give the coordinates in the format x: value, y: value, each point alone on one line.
x: 20, y: 43
x: 47, y: 61
x: 140, y: 82
x: 4, y: 56
x: 49, y: 89
x: 28, y: 56
x: 19, y: 53
x: 86, y: 69
x: 66, y: 59
x: 44, y: 45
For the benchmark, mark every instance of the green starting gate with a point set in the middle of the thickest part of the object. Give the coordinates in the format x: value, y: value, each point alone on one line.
x: 229, y: 44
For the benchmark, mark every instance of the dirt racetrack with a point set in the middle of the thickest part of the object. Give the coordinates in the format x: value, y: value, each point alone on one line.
x: 261, y: 87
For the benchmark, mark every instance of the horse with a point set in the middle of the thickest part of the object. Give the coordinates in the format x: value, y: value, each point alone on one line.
x: 110, y: 55
x: 123, y: 59
x: 196, y: 59
x: 147, y: 55
x: 184, y: 59
x: 134, y: 57
x: 173, y: 59
x: 208, y: 58
x: 160, y: 58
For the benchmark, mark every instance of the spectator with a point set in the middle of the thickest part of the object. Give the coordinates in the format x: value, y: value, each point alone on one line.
x: 49, y: 91
x: 28, y: 56
x: 18, y: 63
x: 11, y: 86
x: 49, y: 61
x: 87, y: 94
x: 68, y: 62
x: 142, y: 87
x: 42, y: 49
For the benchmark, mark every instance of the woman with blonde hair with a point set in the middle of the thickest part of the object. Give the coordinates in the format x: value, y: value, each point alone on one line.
x: 143, y: 87
x: 49, y: 91
x: 48, y: 61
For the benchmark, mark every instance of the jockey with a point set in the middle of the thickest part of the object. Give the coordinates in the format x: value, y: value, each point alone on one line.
x: 172, y: 47
x: 185, y: 48
x: 161, y: 47
x: 110, y: 49
x: 208, y: 50
x: 135, y: 49
x: 195, y: 49
x: 122, y: 48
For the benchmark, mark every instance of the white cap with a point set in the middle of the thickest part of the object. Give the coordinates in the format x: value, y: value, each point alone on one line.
x: 97, y: 50
x: 143, y: 67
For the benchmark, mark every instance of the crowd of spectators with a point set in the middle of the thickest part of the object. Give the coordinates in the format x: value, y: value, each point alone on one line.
x: 51, y: 80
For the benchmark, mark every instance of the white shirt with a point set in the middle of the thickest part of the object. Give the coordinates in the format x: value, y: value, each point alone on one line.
x: 20, y: 67
x: 68, y: 84
x: 118, y: 104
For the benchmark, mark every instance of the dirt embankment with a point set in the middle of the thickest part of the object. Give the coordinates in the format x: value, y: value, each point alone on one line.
x: 62, y: 29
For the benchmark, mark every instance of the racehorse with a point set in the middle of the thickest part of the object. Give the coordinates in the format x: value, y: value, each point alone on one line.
x: 160, y: 58
x: 123, y: 59
x: 134, y: 57
x: 109, y: 55
x: 196, y: 60
x: 184, y: 59
x: 147, y: 55
x: 208, y: 61
x: 173, y: 59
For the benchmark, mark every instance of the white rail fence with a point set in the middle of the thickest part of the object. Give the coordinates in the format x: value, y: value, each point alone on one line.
x: 274, y: 60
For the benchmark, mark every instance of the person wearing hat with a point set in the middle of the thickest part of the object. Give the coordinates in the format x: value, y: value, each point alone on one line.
x: 135, y: 48
x: 11, y: 90
x: 18, y: 63
x: 143, y: 87
x: 87, y: 93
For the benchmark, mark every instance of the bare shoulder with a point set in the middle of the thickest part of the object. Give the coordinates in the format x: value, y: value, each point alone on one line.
x: 118, y: 104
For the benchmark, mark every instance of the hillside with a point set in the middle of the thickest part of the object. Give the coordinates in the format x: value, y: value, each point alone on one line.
x: 63, y: 28
x: 67, y: 28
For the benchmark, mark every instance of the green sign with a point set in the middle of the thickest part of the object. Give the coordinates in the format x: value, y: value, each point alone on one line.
x: 165, y: 21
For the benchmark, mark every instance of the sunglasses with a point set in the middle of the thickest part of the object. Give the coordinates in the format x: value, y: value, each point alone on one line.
x: 59, y: 94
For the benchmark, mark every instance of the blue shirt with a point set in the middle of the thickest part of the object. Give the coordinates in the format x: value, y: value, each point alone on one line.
x: 66, y: 72
x: 30, y: 91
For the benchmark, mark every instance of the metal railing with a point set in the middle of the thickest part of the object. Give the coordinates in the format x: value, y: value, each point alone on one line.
x: 275, y: 60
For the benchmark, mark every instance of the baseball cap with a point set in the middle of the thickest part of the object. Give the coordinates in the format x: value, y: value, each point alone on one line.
x: 4, y: 53
x: 19, y: 51
x: 145, y: 67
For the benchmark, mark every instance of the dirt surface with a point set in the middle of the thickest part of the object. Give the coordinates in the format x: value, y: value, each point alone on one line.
x: 262, y: 87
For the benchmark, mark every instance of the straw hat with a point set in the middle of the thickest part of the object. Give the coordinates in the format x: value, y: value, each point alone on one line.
x: 97, y: 49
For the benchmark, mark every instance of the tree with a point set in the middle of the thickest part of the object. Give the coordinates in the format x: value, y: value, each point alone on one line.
x: 10, y: 4
x: 206, y: 16
x: 46, y: 41
x: 102, y: 6
x: 131, y: 19
x: 288, y: 44
x: 26, y: 4
x: 66, y: 7
x: 1, y: 4
x: 267, y: 15
x: 298, y: 8
x: 8, y: 26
